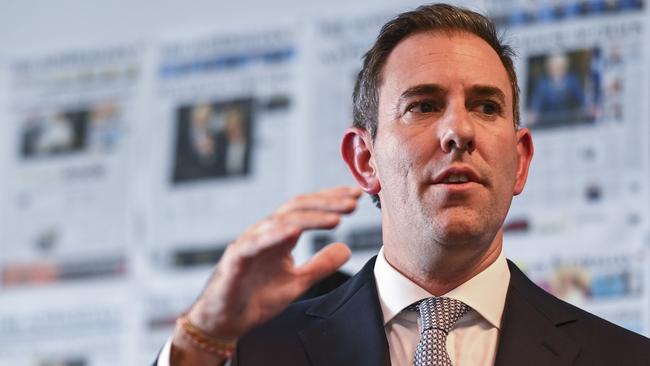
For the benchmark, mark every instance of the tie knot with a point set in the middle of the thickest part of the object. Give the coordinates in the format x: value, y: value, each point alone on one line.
x: 439, y: 312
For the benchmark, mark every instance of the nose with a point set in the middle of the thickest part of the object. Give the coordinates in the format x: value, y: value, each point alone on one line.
x: 456, y: 131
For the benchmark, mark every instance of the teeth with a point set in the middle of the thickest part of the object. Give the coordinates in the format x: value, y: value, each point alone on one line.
x: 456, y: 178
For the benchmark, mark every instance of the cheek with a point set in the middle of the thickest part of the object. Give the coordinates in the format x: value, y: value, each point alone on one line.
x: 402, y: 143
x: 400, y: 156
x: 417, y: 146
x: 507, y: 169
x: 502, y: 143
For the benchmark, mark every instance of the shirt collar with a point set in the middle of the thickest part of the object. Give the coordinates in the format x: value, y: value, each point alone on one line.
x: 485, y: 292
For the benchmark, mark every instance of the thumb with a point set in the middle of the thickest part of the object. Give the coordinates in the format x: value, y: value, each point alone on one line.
x: 324, y: 263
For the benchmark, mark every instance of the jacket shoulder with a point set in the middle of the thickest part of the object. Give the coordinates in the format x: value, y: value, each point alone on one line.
x: 279, y: 340
x: 600, y: 341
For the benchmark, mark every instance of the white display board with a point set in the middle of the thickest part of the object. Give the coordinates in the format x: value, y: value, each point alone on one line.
x: 129, y: 165
x: 225, y: 105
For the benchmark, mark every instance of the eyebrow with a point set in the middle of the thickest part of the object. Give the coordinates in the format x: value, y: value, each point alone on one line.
x: 422, y: 89
x: 435, y: 89
x: 487, y: 91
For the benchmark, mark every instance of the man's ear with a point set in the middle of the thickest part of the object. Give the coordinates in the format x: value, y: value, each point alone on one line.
x: 356, y: 149
x: 525, y: 156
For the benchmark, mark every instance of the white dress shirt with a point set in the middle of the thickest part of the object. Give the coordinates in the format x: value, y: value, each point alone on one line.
x: 473, y: 339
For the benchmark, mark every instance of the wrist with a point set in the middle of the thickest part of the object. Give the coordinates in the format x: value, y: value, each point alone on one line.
x: 189, y: 334
x: 213, y: 320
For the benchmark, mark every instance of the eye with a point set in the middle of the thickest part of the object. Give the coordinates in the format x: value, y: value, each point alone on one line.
x: 424, y: 106
x: 489, y: 108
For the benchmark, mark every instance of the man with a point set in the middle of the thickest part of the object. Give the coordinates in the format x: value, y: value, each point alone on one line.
x: 558, y: 99
x: 436, y: 141
x: 200, y: 153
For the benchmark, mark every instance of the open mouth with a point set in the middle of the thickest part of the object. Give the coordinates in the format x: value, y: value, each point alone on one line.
x: 457, y: 175
x: 456, y: 178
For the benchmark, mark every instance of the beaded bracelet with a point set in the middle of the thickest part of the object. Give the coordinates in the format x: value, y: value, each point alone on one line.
x: 219, y: 347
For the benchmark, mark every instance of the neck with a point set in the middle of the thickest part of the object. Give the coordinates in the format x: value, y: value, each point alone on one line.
x: 447, y: 268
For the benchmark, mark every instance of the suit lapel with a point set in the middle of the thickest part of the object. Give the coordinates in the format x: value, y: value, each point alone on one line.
x: 348, y: 327
x: 530, y: 333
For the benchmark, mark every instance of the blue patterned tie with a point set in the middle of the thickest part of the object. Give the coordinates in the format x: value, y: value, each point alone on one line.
x: 437, y: 317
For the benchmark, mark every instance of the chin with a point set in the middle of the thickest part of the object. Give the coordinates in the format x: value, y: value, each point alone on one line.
x: 459, y: 238
x: 460, y: 230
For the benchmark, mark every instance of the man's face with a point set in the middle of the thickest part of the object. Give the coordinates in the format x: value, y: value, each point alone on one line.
x: 447, y: 155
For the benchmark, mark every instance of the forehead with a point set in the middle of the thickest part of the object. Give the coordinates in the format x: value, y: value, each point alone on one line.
x: 451, y: 60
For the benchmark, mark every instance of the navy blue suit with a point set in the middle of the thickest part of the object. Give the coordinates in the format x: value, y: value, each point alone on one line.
x: 345, y: 327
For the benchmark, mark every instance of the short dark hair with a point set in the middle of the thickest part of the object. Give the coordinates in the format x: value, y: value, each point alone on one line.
x: 433, y: 17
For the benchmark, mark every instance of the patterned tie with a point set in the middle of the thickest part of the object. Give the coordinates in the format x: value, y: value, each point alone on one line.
x: 437, y: 316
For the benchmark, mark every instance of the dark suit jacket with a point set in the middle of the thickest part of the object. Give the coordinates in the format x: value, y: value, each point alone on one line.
x: 345, y: 327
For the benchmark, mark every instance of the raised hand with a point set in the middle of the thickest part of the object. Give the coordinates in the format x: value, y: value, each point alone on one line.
x: 256, y: 278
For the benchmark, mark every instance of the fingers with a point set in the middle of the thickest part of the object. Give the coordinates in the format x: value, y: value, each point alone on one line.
x: 267, y: 235
x: 284, y: 231
x: 324, y: 263
x: 319, y: 210
x: 340, y: 199
x: 305, y: 220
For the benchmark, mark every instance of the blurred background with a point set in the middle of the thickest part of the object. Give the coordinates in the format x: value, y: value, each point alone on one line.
x: 138, y: 138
